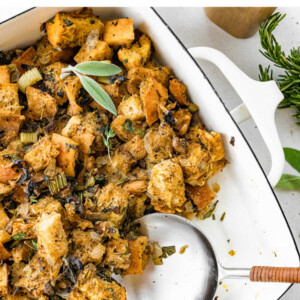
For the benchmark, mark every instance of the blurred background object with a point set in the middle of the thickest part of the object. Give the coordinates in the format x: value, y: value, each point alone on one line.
x: 240, y: 22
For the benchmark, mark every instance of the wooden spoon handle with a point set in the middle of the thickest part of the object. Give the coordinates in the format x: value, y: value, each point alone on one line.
x: 275, y: 274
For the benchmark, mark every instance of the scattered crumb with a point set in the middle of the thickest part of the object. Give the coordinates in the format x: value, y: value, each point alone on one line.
x: 292, y: 132
x: 213, y: 216
x: 232, y: 252
x: 225, y: 287
x: 228, y: 241
x: 182, y: 249
x: 220, y: 282
x: 275, y: 254
x: 223, y: 216
x: 216, y: 298
x: 232, y: 141
x: 153, y: 281
x: 216, y: 187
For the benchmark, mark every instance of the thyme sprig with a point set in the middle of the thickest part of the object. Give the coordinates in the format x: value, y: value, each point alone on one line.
x: 289, y: 81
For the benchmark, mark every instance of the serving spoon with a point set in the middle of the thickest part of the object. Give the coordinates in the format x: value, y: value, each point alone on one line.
x: 195, y: 274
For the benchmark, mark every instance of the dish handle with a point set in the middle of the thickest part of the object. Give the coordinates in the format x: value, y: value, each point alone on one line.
x: 260, y: 100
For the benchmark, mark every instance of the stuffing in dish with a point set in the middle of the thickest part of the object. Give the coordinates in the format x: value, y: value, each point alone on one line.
x: 73, y: 176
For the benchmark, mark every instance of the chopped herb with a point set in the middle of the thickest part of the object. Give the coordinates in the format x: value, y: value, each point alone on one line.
x: 33, y: 199
x: 19, y: 236
x: 68, y: 22
x: 193, y: 108
x: 213, y: 216
x: 223, y: 216
x: 209, y: 213
x: 60, y: 93
x: 140, y: 132
x: 125, y: 61
x: 169, y: 250
x: 50, y: 20
x: 232, y: 252
x: 92, y: 21
x: 34, y: 244
x: 70, y: 146
x: 232, y: 141
x: 128, y: 126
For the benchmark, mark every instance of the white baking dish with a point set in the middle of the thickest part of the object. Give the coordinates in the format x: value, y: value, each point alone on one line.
x: 254, y: 222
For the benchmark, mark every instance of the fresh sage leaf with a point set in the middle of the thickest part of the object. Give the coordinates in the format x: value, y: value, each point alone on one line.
x: 98, y: 93
x: 97, y: 68
x: 288, y: 182
x: 292, y: 156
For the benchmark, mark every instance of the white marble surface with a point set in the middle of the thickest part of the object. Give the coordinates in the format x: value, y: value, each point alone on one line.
x: 194, y: 29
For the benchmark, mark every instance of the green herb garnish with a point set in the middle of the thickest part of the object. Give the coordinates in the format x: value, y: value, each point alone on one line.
x: 288, y: 181
x: 168, y: 251
x: 289, y: 81
x: 18, y: 236
x: 94, y: 68
x: 209, y: 213
x: 128, y: 126
x: 34, y: 244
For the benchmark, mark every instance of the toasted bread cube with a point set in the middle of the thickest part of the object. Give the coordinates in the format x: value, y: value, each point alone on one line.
x: 213, y: 142
x: 122, y: 161
x: 7, y: 173
x: 3, y: 280
x: 100, y: 51
x: 27, y: 58
x: 4, y: 254
x: 166, y: 186
x: 178, y: 91
x: 80, y: 132
x: 71, y: 29
x: 117, y: 254
x: 19, y: 226
x: 135, y: 147
x: 54, y: 83
x: 137, y: 202
x: 90, y: 286
x: 72, y: 88
x: 132, y: 108
x: 68, y: 152
x: 138, y: 255
x: 201, y: 196
x: 52, y: 239
x: 40, y: 154
x: 48, y: 55
x: 21, y: 253
x: 113, y: 201
x: 40, y: 104
x: 136, y: 55
x: 4, y: 236
x: 36, y: 274
x: 88, y: 247
x: 118, y: 126
x: 4, y: 219
x: 152, y: 94
x: 118, y: 32
x: 138, y: 74
x: 4, y: 74
x: 136, y: 187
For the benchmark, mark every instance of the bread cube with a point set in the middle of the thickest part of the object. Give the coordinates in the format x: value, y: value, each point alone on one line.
x: 88, y: 247
x: 72, y: 88
x: 68, y: 152
x: 4, y: 74
x: 27, y: 58
x: 118, y: 32
x: 136, y: 148
x: 48, y: 55
x: 178, y: 91
x: 4, y: 254
x: 52, y: 239
x: 70, y: 29
x: 4, y: 236
x: 113, y: 201
x: 100, y: 51
x: 137, y: 54
x: 166, y: 186
x: 21, y: 253
x: 4, y: 219
x: 201, y: 196
x: 132, y: 108
x: 41, y: 153
x: 80, y: 132
x: 117, y: 254
x: 138, y: 256
x: 152, y: 94
x: 136, y: 187
x: 54, y: 83
x: 40, y: 104
x: 3, y: 281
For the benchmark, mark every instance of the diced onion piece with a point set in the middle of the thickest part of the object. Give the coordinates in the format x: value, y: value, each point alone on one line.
x: 29, y: 137
x: 29, y: 78
x: 103, y: 79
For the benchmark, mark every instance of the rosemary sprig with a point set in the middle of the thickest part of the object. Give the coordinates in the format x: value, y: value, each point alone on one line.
x: 289, y: 81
